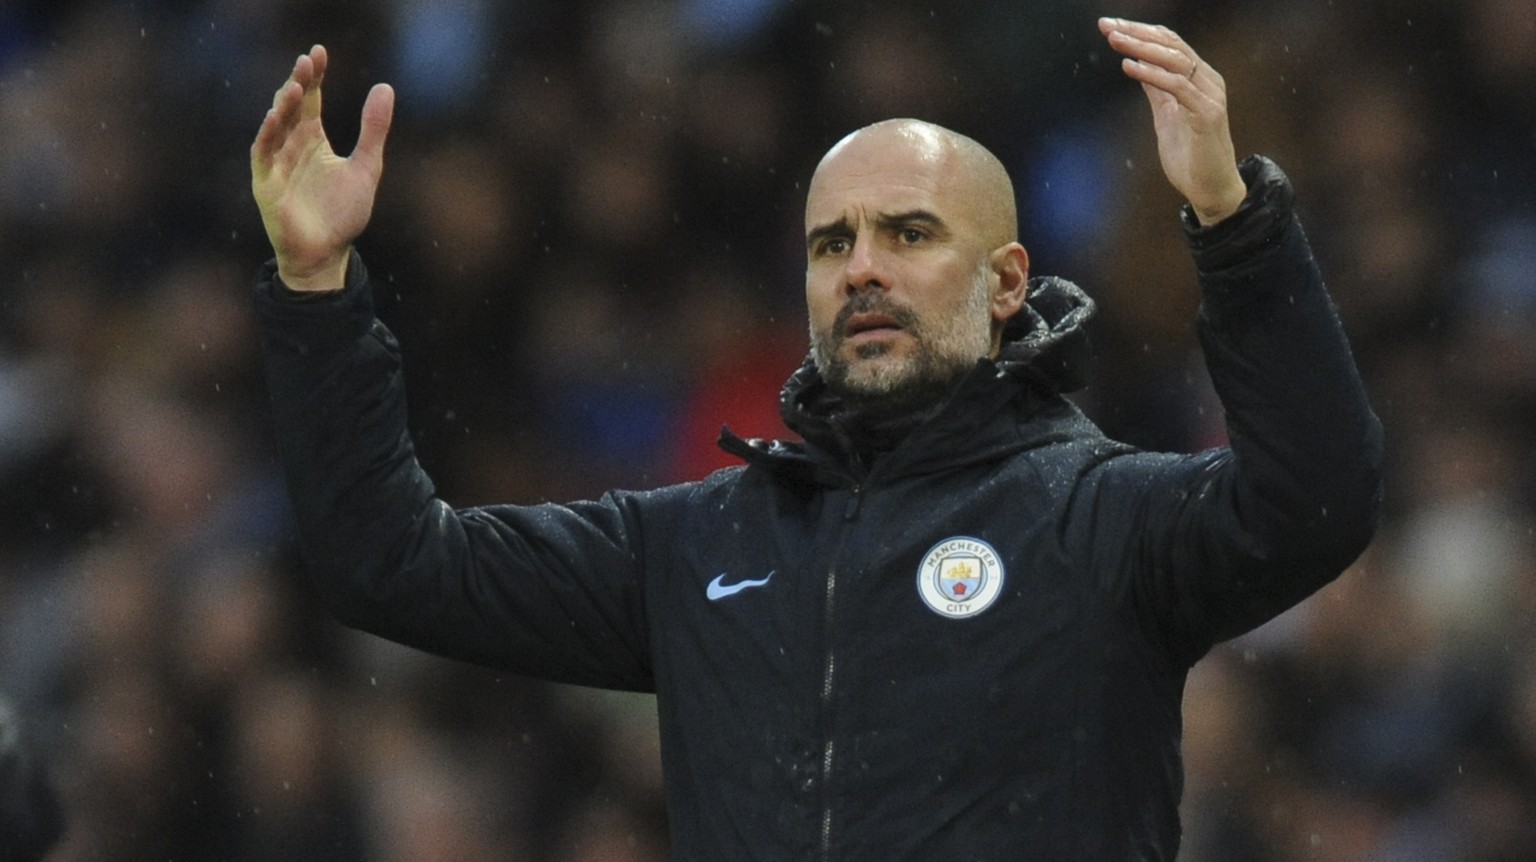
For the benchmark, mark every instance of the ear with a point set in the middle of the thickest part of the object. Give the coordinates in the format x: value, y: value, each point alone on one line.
x: 1011, y: 264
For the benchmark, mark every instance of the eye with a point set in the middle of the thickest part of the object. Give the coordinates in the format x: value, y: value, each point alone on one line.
x: 834, y: 245
x: 912, y: 236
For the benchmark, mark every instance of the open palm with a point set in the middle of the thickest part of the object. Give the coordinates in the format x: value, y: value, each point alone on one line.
x: 313, y: 202
x: 1189, y: 114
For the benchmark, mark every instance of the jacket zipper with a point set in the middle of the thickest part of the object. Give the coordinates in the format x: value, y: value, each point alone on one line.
x: 829, y: 675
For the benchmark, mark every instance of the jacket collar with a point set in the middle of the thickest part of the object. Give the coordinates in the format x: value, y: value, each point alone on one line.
x: 1044, y: 355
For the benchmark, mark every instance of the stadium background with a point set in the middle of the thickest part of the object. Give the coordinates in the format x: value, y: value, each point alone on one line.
x: 588, y: 240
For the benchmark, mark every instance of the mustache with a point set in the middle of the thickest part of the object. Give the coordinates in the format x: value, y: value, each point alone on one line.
x: 869, y: 303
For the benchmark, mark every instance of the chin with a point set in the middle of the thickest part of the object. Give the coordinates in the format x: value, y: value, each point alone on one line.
x: 879, y: 376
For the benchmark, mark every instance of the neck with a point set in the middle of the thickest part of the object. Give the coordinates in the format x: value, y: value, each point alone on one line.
x: 874, y: 424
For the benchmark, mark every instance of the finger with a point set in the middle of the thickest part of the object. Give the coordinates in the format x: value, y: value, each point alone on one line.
x: 1159, y: 77
x: 378, y: 113
x: 303, y: 71
x: 1175, y: 86
x: 287, y: 103
x: 309, y: 74
x: 1146, y: 32
x: 321, y: 60
x: 278, y: 121
x: 293, y: 75
x: 1177, y: 57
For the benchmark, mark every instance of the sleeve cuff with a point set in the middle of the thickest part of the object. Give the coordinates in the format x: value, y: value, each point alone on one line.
x: 305, y: 320
x: 1261, y: 221
x: 268, y: 283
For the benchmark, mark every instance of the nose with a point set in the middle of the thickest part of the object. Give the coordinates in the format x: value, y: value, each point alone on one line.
x: 864, y: 269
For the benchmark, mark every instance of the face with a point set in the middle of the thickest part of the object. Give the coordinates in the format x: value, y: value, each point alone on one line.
x: 903, y: 291
x: 882, y: 349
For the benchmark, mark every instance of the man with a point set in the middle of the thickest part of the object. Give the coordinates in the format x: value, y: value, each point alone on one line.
x: 955, y: 622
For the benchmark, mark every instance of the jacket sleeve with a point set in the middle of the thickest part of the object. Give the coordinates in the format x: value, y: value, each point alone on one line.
x: 1224, y: 540
x: 549, y: 591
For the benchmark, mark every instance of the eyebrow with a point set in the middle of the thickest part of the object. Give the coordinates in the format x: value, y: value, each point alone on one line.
x: 925, y: 218
x: 841, y: 227
x: 884, y: 221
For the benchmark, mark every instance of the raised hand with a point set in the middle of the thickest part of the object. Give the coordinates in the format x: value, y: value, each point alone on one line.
x: 1189, y: 114
x: 313, y: 202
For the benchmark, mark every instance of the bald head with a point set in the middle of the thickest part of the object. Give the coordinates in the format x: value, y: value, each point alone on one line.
x: 913, y: 267
x: 975, y: 183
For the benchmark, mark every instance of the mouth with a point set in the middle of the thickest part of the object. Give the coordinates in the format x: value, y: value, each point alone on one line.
x: 869, y: 325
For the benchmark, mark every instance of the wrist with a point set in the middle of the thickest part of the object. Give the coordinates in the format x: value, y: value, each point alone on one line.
x: 328, y: 277
x: 1212, y: 211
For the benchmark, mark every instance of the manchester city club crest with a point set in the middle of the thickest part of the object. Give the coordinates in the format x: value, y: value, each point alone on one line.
x: 960, y: 577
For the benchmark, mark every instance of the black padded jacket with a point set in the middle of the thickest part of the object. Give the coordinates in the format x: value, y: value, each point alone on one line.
x: 974, y: 649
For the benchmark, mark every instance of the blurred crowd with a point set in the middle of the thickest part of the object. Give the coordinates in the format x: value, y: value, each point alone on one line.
x: 588, y: 240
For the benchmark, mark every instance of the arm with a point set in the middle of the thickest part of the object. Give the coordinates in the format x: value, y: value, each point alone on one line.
x: 1222, y: 541
x: 550, y: 591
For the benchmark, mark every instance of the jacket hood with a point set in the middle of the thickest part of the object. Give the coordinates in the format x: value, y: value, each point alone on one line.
x: 1045, y: 344
x: 1044, y: 354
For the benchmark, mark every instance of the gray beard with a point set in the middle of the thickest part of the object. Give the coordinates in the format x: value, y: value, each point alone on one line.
x: 926, y: 379
x: 944, y: 354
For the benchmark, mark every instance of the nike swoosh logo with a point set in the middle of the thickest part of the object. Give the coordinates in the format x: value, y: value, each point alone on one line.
x: 717, y: 590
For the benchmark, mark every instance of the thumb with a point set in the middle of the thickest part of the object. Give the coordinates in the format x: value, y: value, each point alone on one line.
x: 378, y: 112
